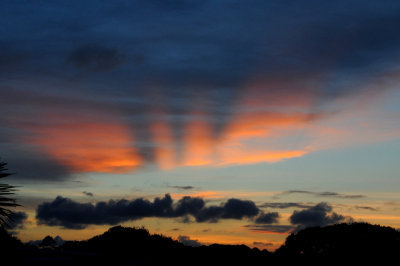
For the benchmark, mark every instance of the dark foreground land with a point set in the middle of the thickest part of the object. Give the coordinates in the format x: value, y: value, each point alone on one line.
x: 341, y: 243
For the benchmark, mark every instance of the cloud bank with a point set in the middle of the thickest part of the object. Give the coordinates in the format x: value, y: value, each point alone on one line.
x: 71, y: 214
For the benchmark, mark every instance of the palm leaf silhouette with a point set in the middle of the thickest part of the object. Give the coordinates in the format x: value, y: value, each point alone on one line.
x: 5, y: 201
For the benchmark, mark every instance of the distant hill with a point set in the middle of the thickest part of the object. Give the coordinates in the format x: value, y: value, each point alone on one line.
x: 132, y: 246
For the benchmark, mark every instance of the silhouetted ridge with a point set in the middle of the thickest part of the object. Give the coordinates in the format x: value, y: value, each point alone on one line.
x: 131, y: 245
x: 125, y: 238
x: 124, y: 244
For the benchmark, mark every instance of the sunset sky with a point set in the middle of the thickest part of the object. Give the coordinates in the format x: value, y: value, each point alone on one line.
x: 221, y: 121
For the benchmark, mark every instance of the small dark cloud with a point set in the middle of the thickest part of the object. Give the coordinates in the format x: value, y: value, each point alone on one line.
x: 89, y: 194
x: 188, y: 205
x: 284, y: 205
x: 280, y: 229
x: 237, y: 209
x: 18, y: 220
x: 232, y: 209
x: 366, y: 208
x: 95, y: 57
x: 322, y: 194
x: 182, y: 187
x: 189, y: 242
x: 338, y: 195
x: 267, y: 218
x: 71, y: 214
x: 319, y: 215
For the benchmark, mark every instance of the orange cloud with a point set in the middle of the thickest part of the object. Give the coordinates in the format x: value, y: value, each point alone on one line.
x: 204, y: 195
x: 198, y: 143
x: 200, y: 148
x: 260, y: 124
x: 164, y: 144
x: 258, y: 156
x: 86, y: 146
x: 267, y: 125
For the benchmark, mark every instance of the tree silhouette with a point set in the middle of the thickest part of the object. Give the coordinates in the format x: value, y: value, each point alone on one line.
x: 353, y: 241
x: 5, y: 201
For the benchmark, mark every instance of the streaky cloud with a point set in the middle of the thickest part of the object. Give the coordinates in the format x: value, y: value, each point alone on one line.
x: 322, y: 194
x: 284, y: 205
x: 270, y: 229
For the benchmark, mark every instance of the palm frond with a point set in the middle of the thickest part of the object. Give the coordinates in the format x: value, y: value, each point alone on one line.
x: 5, y: 202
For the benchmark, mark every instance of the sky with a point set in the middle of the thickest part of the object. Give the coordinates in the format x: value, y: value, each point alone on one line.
x: 234, y: 122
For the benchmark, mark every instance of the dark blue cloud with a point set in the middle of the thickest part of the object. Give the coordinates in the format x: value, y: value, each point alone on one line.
x: 71, y: 214
x: 319, y: 215
x: 267, y: 218
x: 17, y: 220
x: 232, y: 209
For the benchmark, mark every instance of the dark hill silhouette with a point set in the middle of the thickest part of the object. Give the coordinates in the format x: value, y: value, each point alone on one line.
x: 124, y: 244
x: 342, y: 241
x: 132, y: 246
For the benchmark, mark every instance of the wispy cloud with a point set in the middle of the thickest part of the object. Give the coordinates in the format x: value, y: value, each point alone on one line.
x: 284, y: 205
x: 89, y: 194
x: 321, y: 194
x: 368, y: 208
x: 183, y: 187
x: 270, y: 229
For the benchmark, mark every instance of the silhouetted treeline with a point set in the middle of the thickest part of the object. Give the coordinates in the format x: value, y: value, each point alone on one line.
x: 356, y: 242
x: 131, y: 246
